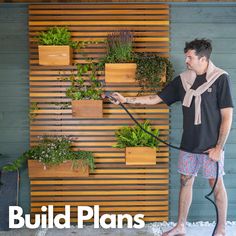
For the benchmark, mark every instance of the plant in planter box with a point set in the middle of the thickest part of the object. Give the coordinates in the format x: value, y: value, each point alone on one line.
x: 55, y: 46
x: 53, y: 157
x: 153, y: 72
x: 140, y: 147
x: 119, y: 61
x: 85, y: 95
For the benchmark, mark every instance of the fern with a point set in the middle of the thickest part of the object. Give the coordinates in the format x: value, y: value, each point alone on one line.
x: 136, y: 137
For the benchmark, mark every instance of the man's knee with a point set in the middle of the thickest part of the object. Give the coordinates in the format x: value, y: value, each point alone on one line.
x: 220, y: 184
x: 186, y: 180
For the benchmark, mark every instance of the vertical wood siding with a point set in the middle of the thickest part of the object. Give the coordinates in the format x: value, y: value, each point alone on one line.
x: 14, y: 88
x: 216, y: 22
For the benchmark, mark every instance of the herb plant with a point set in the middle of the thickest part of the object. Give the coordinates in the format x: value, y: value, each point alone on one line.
x: 119, y: 47
x: 57, y: 36
x: 135, y: 137
x: 53, y: 151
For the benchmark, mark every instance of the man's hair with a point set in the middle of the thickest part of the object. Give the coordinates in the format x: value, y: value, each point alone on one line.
x: 202, y: 47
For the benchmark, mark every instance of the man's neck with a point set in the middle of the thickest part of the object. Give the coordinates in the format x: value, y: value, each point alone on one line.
x: 202, y: 70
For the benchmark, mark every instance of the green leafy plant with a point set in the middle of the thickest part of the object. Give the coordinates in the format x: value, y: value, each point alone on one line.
x: 61, y: 36
x: 81, y: 89
x: 119, y: 47
x: 53, y: 151
x: 57, y: 36
x: 135, y: 137
x: 150, y: 69
x: 33, y: 107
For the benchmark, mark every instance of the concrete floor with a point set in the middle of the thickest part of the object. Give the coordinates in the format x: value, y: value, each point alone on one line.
x: 153, y: 229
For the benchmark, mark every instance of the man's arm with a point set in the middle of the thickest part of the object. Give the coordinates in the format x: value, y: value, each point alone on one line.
x: 226, y: 121
x: 145, y: 100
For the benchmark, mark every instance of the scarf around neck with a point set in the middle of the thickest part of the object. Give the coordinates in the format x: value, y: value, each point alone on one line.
x: 188, y: 77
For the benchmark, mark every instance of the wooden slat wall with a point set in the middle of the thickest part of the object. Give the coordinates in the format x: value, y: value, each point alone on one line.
x: 69, y: 1
x: 114, y: 186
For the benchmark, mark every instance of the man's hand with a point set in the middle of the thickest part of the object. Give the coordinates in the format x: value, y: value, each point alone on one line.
x: 215, y: 153
x: 118, y: 97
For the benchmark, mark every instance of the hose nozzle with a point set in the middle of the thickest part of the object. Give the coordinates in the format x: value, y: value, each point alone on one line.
x: 108, y: 95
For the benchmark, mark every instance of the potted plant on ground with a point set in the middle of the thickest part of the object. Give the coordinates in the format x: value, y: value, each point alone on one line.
x: 85, y: 94
x: 53, y: 157
x: 55, y: 47
x: 153, y: 72
x: 119, y: 61
x: 140, y: 147
x: 9, y: 189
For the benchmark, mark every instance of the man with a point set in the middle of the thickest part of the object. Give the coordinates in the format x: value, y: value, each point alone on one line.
x: 204, y: 92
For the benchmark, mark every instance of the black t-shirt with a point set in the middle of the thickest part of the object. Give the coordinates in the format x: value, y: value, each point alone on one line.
x: 199, y: 138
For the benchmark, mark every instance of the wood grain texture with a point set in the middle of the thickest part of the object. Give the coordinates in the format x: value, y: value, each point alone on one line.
x: 64, y: 170
x: 111, y: 1
x: 140, y: 156
x: 55, y: 55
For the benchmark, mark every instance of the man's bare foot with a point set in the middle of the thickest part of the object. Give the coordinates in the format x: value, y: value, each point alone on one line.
x: 220, y: 231
x: 219, y: 234
x: 176, y: 231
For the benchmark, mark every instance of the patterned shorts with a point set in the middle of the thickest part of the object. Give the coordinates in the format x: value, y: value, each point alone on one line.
x: 190, y: 164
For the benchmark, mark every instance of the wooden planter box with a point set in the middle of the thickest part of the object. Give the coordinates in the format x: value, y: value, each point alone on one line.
x: 38, y: 170
x: 55, y: 55
x: 120, y: 72
x: 140, y: 156
x: 87, y: 108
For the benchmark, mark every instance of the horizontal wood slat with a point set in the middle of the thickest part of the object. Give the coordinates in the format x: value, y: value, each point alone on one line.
x: 114, y: 203
x: 99, y: 6
x: 117, y: 188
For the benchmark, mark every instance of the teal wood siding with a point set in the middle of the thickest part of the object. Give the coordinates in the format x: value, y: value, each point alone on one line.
x: 14, y: 123
x: 214, y: 21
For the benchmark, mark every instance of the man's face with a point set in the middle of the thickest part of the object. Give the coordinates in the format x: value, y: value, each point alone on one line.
x: 192, y: 61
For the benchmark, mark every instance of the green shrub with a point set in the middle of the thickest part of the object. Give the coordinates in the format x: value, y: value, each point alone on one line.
x: 56, y: 36
x: 135, y: 137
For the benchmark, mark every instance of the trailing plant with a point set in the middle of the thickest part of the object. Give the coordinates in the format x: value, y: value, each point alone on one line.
x: 119, y: 47
x: 135, y: 137
x: 81, y: 89
x: 53, y: 151
x: 150, y: 70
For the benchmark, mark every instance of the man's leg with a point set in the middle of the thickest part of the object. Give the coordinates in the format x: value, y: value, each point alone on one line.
x: 185, y: 200
x: 222, y: 204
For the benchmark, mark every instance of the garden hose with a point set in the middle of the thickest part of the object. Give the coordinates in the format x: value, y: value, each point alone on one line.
x: 109, y: 96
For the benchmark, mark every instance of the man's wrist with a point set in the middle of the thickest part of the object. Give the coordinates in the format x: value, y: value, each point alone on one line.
x: 219, y: 147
